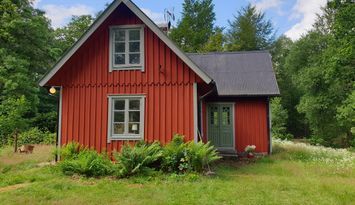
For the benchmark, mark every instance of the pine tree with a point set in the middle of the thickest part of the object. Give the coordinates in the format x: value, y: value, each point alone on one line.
x: 249, y: 31
x: 196, y: 25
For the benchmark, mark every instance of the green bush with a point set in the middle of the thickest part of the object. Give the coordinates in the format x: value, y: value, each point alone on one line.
x: 36, y: 136
x: 70, y: 151
x: 184, y: 157
x: 138, y: 159
x: 88, y: 163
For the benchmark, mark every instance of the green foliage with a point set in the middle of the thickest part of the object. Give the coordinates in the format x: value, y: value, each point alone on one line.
x: 69, y: 34
x: 216, y: 42
x: 196, y: 25
x: 279, y: 118
x: 70, y: 151
x: 249, y: 31
x: 184, y: 157
x: 87, y: 162
x: 36, y: 136
x: 138, y: 159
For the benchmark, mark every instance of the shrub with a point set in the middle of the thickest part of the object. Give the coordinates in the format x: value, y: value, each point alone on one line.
x: 175, y: 155
x: 184, y: 157
x: 88, y: 163
x: 201, y: 155
x: 137, y: 159
x: 70, y: 151
x: 36, y: 136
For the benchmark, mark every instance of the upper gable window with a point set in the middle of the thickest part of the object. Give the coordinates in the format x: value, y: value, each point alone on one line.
x: 126, y: 47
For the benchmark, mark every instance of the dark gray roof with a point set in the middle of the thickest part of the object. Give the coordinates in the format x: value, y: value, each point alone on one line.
x: 247, y: 73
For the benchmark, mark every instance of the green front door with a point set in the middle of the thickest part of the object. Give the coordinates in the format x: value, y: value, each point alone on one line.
x: 220, y: 125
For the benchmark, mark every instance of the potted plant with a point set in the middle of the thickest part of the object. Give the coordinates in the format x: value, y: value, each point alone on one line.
x: 250, y: 149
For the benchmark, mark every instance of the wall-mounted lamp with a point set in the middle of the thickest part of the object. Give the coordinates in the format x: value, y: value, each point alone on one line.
x: 52, y: 90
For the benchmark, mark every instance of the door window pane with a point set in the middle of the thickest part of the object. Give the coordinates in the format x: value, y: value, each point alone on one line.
x: 225, y: 116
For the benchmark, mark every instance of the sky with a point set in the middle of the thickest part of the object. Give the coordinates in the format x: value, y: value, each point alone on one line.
x: 289, y: 17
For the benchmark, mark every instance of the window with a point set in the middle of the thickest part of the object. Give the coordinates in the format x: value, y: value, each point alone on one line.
x: 126, y: 47
x: 126, y: 117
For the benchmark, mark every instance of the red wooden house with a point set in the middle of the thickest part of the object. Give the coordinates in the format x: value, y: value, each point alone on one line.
x: 124, y: 80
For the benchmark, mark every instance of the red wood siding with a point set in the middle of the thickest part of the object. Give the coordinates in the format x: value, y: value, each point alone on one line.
x: 251, y: 125
x: 167, y: 83
x: 250, y: 119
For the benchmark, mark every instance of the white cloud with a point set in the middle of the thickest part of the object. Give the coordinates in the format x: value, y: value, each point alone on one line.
x: 155, y: 16
x: 306, y: 11
x: 59, y: 15
x: 263, y: 5
x: 35, y: 3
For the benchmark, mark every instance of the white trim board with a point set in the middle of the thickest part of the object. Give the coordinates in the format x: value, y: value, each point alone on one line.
x: 146, y: 20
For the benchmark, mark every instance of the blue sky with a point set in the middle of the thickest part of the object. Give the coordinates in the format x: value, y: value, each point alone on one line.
x: 289, y: 17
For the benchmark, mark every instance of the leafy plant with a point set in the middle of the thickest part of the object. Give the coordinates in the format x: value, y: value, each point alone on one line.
x: 89, y: 163
x: 137, y: 159
x: 70, y: 151
x: 184, y: 157
x: 36, y: 136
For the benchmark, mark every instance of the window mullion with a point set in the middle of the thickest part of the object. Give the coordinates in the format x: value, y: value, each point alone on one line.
x: 127, y: 47
x: 126, y: 116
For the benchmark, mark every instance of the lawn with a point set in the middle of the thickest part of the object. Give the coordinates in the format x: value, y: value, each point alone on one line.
x: 292, y: 175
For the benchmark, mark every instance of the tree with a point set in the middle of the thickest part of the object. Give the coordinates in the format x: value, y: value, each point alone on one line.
x: 249, y: 31
x: 216, y: 41
x: 26, y: 52
x: 70, y: 33
x: 196, y: 25
x: 279, y: 118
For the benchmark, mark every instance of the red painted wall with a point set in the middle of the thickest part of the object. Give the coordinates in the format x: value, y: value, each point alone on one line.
x: 167, y: 83
x: 251, y: 123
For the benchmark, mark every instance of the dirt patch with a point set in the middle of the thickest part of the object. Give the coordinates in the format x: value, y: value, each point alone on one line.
x: 13, y: 187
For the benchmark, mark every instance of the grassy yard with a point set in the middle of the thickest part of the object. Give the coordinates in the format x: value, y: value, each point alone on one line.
x: 294, y: 174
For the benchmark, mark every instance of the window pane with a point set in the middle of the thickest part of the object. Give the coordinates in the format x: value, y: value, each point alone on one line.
x: 133, y: 128
x: 119, y: 59
x: 134, y: 116
x: 134, y: 58
x: 118, y: 128
x: 120, y: 35
x: 119, y: 47
x: 134, y: 47
x: 134, y: 104
x: 134, y: 35
x: 119, y: 104
x: 118, y: 117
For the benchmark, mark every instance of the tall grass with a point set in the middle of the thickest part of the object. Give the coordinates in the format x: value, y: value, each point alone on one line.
x: 338, y: 158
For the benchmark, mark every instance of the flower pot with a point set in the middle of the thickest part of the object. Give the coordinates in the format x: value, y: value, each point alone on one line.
x: 250, y: 155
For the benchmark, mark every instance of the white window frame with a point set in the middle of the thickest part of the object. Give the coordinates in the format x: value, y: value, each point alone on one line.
x: 126, y: 135
x: 126, y: 66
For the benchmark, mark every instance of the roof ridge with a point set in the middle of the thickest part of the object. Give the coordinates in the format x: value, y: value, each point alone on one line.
x: 229, y: 52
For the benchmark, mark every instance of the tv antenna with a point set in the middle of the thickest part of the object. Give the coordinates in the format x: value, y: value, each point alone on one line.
x: 169, y: 16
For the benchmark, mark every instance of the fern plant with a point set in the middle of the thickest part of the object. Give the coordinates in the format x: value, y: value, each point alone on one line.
x: 137, y: 159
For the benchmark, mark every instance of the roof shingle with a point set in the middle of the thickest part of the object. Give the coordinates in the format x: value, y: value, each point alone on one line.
x: 247, y: 73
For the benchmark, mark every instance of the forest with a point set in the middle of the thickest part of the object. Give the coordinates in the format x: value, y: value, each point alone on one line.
x: 315, y: 74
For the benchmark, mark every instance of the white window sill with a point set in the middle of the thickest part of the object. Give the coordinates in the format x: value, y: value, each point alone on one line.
x: 128, y: 67
x: 126, y: 138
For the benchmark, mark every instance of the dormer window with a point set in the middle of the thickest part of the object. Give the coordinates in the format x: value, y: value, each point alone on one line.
x: 127, y: 47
